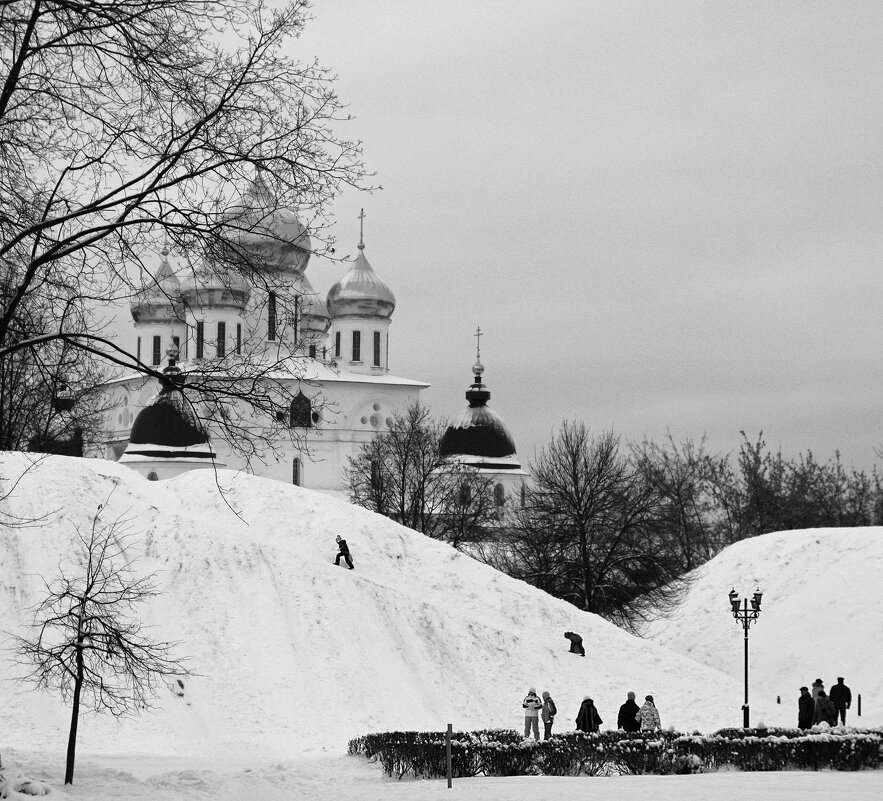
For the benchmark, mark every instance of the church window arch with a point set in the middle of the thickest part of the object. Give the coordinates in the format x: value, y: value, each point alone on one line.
x: 523, y: 496
x: 499, y: 495
x: 300, y: 413
x: 357, y: 346
x: 151, y: 476
x: 296, y: 475
x: 465, y: 494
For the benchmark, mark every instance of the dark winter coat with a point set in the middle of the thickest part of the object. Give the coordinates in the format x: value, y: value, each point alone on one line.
x: 344, y: 548
x: 817, y: 686
x: 627, y: 719
x: 805, y: 710
x: 825, y: 712
x: 841, y: 696
x: 588, y: 719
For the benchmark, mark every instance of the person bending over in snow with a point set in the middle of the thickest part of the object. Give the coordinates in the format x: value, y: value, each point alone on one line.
x: 344, y: 552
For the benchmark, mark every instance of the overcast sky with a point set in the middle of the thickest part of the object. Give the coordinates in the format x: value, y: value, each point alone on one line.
x: 664, y: 215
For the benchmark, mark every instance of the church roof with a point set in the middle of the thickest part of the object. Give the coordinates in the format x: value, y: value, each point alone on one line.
x: 479, y: 437
x: 160, y: 298
x: 259, y: 219
x: 168, y: 429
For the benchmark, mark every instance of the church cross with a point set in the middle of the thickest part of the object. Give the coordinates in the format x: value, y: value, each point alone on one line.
x: 362, y: 228
x: 477, y: 335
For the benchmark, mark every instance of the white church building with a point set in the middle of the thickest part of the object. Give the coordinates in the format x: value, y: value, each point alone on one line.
x: 336, y: 351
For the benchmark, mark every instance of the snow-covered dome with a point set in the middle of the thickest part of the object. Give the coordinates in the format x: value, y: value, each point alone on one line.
x: 360, y: 293
x: 479, y: 437
x: 160, y: 299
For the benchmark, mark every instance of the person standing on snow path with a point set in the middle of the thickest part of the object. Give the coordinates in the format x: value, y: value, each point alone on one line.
x: 532, y: 706
x: 344, y: 551
x: 805, y: 709
x: 588, y: 719
x: 841, y: 697
x: 548, y: 714
x: 817, y: 686
x: 627, y: 719
x: 648, y: 715
x: 824, y: 711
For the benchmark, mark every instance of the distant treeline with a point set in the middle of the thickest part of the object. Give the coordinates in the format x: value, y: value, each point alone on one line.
x: 611, y: 527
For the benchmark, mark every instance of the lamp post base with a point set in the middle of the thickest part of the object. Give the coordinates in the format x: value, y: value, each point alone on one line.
x: 745, y: 724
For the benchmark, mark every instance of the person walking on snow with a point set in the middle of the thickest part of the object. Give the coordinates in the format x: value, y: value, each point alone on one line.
x: 344, y: 551
x: 805, y: 709
x: 648, y: 715
x: 532, y: 706
x: 841, y: 697
x: 588, y: 719
x: 627, y: 719
x: 548, y: 714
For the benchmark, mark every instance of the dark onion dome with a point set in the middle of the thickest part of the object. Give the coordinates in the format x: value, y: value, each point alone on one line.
x: 159, y: 300
x: 168, y: 428
x: 479, y: 437
x: 360, y: 293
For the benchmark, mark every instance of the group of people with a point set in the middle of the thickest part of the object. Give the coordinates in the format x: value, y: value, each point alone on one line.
x: 819, y: 707
x: 631, y: 716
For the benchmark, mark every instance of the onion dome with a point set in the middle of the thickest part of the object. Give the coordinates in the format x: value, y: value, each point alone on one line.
x: 360, y: 293
x: 257, y: 220
x: 479, y: 437
x: 160, y: 300
x: 168, y: 428
x: 205, y: 288
x: 315, y: 310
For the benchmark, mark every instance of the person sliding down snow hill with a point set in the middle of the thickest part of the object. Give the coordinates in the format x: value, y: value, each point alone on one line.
x: 344, y: 552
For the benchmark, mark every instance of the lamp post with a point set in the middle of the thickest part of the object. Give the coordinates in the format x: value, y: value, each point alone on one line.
x: 746, y: 616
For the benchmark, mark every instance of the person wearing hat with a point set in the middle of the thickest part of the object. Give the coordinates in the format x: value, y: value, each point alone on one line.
x: 806, y: 707
x: 548, y: 714
x: 817, y: 686
x: 648, y: 715
x: 841, y: 697
x: 824, y: 711
x: 532, y: 706
x: 344, y: 551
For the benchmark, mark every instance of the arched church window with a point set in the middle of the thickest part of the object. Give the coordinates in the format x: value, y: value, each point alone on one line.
x: 465, y: 494
x: 499, y: 495
x: 151, y: 476
x: 301, y: 411
x: 523, y: 496
x: 295, y: 472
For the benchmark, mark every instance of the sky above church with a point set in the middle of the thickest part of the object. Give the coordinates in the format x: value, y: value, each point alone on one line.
x: 665, y: 216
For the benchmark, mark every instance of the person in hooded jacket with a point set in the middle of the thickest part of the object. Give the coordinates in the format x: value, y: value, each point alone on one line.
x: 548, y: 713
x: 588, y: 719
x: 648, y: 715
x: 806, y: 708
x: 824, y: 711
x: 532, y: 706
x: 627, y: 719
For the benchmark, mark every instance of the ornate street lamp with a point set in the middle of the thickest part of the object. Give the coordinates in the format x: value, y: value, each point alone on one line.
x: 746, y: 616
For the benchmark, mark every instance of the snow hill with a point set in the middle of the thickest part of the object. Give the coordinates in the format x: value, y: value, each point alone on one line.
x: 295, y: 655
x: 821, y: 615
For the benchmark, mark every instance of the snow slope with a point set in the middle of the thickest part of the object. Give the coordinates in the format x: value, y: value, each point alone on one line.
x: 821, y: 615
x: 295, y: 655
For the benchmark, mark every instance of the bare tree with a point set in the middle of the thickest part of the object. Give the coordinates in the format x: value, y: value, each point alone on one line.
x: 591, y: 523
x: 401, y: 474
x: 87, y: 642
x: 126, y: 123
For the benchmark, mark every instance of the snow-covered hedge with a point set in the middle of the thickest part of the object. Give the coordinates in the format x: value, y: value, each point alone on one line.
x: 504, y: 752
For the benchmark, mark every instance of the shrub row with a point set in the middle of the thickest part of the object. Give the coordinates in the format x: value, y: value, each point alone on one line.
x: 503, y: 752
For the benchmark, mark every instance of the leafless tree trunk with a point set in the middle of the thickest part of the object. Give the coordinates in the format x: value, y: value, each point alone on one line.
x: 86, y: 641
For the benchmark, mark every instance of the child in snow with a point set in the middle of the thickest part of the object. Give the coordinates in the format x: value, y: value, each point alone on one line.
x: 344, y: 552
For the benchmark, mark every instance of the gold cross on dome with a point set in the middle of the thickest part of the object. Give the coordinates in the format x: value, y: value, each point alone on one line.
x: 477, y: 335
x: 362, y: 228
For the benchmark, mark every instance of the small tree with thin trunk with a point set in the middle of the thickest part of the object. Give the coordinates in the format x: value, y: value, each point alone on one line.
x: 87, y: 642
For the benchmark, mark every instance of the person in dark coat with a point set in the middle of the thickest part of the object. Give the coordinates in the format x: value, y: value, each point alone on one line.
x: 627, y: 719
x: 806, y: 708
x: 588, y: 719
x: 576, y: 643
x: 817, y: 686
x: 343, y: 551
x: 841, y: 697
x: 824, y: 711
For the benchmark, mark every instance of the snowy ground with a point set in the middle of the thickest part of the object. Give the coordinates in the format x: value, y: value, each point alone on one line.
x: 295, y: 656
